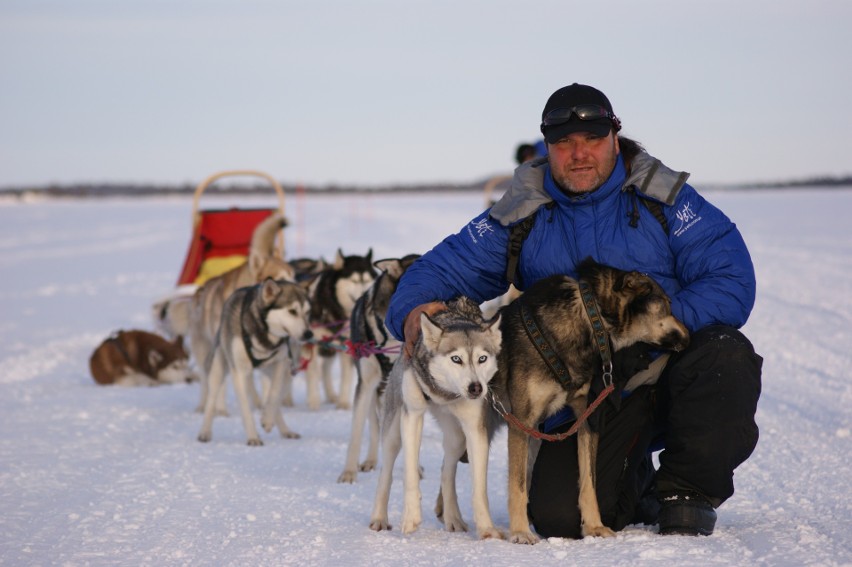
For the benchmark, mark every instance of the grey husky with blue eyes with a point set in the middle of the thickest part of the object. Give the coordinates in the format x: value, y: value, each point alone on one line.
x: 448, y: 374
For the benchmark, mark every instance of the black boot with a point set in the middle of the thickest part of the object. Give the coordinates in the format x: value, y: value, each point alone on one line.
x: 686, y: 513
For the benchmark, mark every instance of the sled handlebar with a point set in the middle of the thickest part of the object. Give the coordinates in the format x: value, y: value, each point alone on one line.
x: 236, y: 172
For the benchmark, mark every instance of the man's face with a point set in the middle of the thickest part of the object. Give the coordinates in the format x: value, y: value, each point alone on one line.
x: 581, y: 162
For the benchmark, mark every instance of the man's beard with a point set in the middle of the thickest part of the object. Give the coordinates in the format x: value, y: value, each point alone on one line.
x: 564, y: 183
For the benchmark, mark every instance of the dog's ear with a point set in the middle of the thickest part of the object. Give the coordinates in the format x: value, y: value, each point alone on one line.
x: 269, y: 290
x: 338, y: 260
x: 408, y: 259
x: 494, y: 331
x: 392, y: 266
x: 430, y: 331
x: 310, y: 283
x: 635, y: 283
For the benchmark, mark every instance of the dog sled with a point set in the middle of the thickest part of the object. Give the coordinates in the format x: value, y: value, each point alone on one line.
x: 221, y: 237
x: 219, y: 242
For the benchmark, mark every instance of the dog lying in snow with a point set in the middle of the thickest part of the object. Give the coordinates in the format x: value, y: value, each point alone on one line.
x: 140, y: 358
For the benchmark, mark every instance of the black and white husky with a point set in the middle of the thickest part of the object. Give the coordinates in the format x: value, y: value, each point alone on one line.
x: 448, y: 374
x: 333, y: 295
x: 257, y: 329
x: 379, y: 350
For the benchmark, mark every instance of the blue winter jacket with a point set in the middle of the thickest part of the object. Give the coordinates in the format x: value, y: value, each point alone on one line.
x: 702, y: 263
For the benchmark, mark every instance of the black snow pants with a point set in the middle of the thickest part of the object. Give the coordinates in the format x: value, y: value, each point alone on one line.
x: 701, y: 412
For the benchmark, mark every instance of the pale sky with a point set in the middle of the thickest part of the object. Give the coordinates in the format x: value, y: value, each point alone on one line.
x: 379, y: 92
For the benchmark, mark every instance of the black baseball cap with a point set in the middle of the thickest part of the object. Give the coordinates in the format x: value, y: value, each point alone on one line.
x: 577, y: 108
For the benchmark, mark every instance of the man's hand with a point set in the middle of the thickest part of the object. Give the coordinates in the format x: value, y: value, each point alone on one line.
x: 411, y: 328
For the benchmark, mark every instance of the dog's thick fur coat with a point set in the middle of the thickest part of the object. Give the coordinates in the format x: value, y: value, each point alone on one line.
x: 264, y: 261
x: 633, y: 309
x: 333, y: 294
x: 140, y: 358
x: 259, y: 327
x: 367, y: 326
x: 448, y: 374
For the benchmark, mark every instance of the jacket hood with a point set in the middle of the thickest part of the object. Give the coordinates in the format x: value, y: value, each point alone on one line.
x: 527, y: 193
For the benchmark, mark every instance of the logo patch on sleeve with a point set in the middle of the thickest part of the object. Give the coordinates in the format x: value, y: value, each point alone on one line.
x: 687, y: 218
x: 479, y: 229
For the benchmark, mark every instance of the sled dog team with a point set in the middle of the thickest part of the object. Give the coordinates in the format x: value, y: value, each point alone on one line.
x: 536, y: 355
x: 469, y: 372
x: 472, y: 373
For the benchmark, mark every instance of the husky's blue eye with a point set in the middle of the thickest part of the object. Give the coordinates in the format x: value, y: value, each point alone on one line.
x: 482, y: 359
x: 456, y: 358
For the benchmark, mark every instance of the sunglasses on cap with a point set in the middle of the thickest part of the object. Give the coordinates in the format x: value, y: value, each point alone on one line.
x: 583, y: 112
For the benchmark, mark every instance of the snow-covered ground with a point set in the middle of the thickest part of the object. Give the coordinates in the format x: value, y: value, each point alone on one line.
x: 95, y: 475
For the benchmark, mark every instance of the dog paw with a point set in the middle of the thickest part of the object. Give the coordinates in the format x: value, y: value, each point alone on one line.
x: 598, y: 531
x: 255, y: 443
x: 347, y: 477
x: 290, y: 435
x: 409, y: 527
x: 490, y: 533
x: 527, y: 538
x: 204, y: 437
x: 455, y: 524
x: 343, y: 405
x: 380, y: 524
x: 267, y: 425
x: 367, y: 466
x: 410, y: 522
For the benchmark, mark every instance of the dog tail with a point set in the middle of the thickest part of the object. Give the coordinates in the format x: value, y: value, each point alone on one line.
x: 263, y: 237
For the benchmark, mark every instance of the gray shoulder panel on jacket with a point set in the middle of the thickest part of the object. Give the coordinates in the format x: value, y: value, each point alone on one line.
x: 652, y: 178
x: 525, y: 195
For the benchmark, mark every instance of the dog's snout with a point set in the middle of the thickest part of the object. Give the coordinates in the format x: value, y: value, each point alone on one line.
x: 307, y: 335
x: 474, y: 390
x: 676, y: 341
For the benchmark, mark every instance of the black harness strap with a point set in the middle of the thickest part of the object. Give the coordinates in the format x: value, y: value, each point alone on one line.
x: 548, y: 353
x: 544, y: 348
x: 385, y: 363
x: 517, y: 234
x: 601, y: 337
x: 655, y: 207
x: 262, y: 336
x: 657, y: 210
